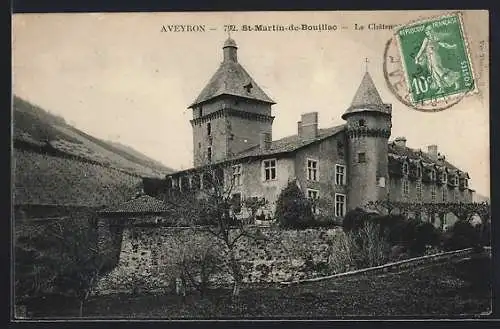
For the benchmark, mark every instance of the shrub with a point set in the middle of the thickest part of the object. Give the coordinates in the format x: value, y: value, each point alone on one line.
x: 355, y: 219
x: 372, y: 248
x: 364, y: 247
x: 293, y: 209
x: 460, y: 236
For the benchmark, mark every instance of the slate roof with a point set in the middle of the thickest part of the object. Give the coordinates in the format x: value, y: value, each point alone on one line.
x: 367, y: 97
x: 290, y: 143
x: 231, y: 79
x: 413, y: 154
x: 144, y: 204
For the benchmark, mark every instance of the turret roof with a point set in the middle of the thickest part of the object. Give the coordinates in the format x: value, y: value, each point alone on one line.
x: 367, y: 98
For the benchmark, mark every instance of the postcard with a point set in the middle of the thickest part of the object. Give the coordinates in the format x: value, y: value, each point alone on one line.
x: 251, y: 165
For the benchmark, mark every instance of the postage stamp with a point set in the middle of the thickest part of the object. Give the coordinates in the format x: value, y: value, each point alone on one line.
x: 435, y: 61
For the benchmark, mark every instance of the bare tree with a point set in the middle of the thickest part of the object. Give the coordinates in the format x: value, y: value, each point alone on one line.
x: 79, y: 261
x: 212, y: 210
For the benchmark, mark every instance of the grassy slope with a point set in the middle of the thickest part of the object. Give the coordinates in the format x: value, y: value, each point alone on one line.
x: 43, y: 179
x: 36, y: 125
x: 444, y: 290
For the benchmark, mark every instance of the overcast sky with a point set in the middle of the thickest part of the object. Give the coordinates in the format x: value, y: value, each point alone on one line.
x: 118, y: 77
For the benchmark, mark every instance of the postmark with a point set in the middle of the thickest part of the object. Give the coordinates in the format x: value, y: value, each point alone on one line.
x: 427, y: 64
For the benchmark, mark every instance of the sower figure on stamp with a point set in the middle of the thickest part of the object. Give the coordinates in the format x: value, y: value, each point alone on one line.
x: 441, y: 77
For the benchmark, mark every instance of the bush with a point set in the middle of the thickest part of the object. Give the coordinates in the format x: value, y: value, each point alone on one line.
x: 356, y: 218
x: 460, y: 236
x: 364, y: 247
x: 293, y: 209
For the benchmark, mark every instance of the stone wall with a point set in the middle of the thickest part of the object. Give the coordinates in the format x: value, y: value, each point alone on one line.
x: 144, y: 262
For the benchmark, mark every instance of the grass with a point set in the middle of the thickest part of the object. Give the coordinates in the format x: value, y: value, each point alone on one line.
x: 446, y: 290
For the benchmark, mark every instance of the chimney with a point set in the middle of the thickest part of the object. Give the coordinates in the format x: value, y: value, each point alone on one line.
x: 400, y: 141
x: 432, y: 150
x: 265, y: 141
x: 308, y: 126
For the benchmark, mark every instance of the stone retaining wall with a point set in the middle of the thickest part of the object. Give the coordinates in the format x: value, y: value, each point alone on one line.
x: 279, y: 255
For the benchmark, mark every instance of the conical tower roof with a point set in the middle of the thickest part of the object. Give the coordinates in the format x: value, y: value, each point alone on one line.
x: 231, y: 79
x: 366, y: 98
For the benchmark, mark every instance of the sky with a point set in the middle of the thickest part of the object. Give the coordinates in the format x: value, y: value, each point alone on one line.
x: 118, y: 77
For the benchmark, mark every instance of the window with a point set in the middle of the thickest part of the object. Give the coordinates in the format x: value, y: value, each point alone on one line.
x: 209, y: 129
x: 419, y: 191
x: 312, y: 170
x: 236, y: 202
x: 444, y: 177
x: 405, y: 168
x: 340, y: 149
x: 406, y: 188
x: 269, y: 170
x: 445, y: 195
x: 361, y: 122
x: 381, y: 182
x: 340, y: 205
x: 200, y: 111
x: 209, y: 154
x: 433, y: 175
x: 237, y: 175
x: 433, y: 193
x: 313, y: 196
x: 456, y: 181
x: 339, y: 174
x: 199, y: 145
x: 466, y: 182
x: 419, y: 171
x: 361, y: 157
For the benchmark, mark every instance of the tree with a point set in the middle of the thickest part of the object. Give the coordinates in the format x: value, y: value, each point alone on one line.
x: 211, y: 210
x: 293, y: 209
x: 254, y: 204
x: 79, y: 261
x: 58, y: 256
x: 194, y: 259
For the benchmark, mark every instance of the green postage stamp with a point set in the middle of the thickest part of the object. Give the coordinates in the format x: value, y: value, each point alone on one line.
x: 435, y: 59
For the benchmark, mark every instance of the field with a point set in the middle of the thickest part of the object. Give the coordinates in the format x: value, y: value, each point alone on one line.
x: 444, y: 290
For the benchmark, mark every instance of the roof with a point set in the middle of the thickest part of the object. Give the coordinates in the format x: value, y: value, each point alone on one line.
x: 367, y: 98
x: 140, y: 205
x: 229, y: 43
x: 413, y: 154
x: 231, y: 79
x: 51, y: 180
x: 290, y: 143
x: 284, y: 145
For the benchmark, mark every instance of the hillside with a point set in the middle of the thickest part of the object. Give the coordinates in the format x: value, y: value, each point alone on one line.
x: 35, y: 126
x: 54, y: 180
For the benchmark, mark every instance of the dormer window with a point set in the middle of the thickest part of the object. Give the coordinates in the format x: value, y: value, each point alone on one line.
x: 405, y: 168
x: 444, y: 177
x: 419, y: 171
x: 432, y: 175
x: 248, y: 87
x: 200, y: 111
